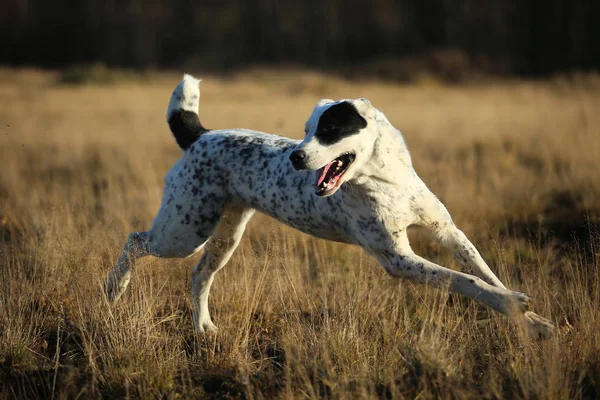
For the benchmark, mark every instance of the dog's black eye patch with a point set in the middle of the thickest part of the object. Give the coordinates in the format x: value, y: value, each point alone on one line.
x: 338, y: 122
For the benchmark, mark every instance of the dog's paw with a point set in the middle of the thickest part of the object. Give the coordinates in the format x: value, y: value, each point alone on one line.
x: 536, y: 327
x: 206, y: 327
x: 518, y: 303
x: 533, y: 325
x: 114, y: 289
x: 111, y: 293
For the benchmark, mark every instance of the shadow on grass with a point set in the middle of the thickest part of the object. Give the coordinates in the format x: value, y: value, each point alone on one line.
x: 561, y: 221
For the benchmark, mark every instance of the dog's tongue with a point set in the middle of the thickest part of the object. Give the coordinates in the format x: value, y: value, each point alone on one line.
x: 324, y: 173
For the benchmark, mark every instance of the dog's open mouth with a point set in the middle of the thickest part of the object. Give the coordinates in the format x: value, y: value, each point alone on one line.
x: 329, y: 178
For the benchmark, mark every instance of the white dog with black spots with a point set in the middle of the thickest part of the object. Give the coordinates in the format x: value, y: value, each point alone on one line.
x: 350, y: 180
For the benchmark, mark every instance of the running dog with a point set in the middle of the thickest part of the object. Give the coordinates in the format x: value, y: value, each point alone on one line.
x: 350, y: 180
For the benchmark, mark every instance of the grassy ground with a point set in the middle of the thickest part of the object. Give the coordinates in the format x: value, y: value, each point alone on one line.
x: 82, y: 166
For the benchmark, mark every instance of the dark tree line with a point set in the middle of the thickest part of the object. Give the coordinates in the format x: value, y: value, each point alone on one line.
x: 528, y: 37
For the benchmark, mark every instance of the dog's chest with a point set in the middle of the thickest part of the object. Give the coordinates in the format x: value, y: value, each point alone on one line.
x: 367, y: 218
x: 379, y: 216
x: 326, y: 218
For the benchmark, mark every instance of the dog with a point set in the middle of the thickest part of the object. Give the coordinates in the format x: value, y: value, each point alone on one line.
x: 350, y: 180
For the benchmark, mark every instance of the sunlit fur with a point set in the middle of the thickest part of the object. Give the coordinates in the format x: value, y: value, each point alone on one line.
x: 186, y: 96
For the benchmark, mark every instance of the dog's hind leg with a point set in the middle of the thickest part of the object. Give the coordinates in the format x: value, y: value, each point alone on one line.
x: 217, y: 253
x: 174, y: 234
x: 137, y: 246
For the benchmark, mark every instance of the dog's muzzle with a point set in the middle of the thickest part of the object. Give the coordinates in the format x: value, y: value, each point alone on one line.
x: 298, y: 159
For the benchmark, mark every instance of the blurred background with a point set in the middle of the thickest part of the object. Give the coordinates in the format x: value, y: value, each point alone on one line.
x: 394, y: 39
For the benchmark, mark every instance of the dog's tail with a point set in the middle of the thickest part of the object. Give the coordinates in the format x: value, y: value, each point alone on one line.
x: 182, y: 114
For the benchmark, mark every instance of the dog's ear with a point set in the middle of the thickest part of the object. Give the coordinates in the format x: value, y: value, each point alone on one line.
x: 323, y: 102
x: 364, y: 107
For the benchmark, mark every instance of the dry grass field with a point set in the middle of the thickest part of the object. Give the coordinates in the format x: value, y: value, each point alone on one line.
x: 516, y: 163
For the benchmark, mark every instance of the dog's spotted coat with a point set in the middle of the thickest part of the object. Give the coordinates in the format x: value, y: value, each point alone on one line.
x: 350, y: 180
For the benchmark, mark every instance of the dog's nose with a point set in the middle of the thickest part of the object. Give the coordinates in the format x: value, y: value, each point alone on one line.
x: 297, y: 158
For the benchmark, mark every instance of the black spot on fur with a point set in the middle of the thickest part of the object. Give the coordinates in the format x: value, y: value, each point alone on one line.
x: 186, y: 127
x: 338, y: 122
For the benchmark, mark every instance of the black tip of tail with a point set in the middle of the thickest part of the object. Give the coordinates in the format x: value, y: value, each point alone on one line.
x: 186, y: 127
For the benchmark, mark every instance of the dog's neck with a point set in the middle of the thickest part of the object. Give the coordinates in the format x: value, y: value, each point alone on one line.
x: 390, y: 161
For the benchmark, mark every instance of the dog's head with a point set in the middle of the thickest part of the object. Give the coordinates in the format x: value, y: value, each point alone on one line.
x: 340, y: 137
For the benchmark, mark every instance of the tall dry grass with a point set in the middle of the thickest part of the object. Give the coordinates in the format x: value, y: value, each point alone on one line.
x: 82, y: 166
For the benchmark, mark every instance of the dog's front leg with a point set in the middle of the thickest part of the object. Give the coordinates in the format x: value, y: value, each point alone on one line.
x: 512, y: 304
x: 433, y: 214
x: 217, y: 253
x: 466, y: 254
